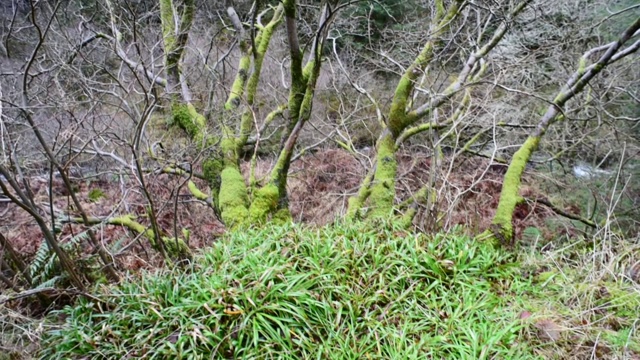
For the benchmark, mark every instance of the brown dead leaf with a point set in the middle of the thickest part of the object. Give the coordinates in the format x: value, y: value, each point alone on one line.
x: 548, y: 330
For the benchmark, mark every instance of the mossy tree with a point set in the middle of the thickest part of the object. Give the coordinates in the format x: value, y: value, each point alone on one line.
x: 237, y: 203
x: 403, y: 120
x: 501, y: 230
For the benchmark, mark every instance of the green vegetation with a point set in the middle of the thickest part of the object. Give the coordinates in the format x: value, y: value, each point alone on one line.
x: 95, y: 195
x: 417, y: 124
x: 344, y: 292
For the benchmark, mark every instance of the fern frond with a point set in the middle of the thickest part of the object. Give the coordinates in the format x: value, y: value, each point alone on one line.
x: 49, y: 283
x: 39, y: 260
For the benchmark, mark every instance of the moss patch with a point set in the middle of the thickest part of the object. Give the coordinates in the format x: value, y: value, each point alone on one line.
x: 383, y: 190
x: 233, y: 197
x: 264, y: 203
x: 187, y: 117
x: 95, y: 195
x: 237, y: 89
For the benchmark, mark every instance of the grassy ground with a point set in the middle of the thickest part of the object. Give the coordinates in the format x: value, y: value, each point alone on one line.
x: 362, y: 292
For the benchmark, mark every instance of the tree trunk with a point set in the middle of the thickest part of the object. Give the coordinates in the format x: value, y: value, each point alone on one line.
x: 501, y: 231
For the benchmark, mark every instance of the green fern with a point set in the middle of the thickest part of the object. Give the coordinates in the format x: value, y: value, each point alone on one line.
x: 45, y: 268
x: 39, y: 260
x: 49, y: 283
x: 118, y: 245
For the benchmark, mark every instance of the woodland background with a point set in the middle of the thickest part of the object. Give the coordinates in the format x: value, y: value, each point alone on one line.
x: 134, y: 135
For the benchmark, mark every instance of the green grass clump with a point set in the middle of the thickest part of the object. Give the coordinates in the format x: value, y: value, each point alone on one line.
x: 287, y: 292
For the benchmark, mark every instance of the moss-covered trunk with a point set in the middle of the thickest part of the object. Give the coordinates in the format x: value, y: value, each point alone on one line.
x: 234, y: 199
x: 175, y: 33
x: 383, y: 190
x: 502, y: 227
x: 221, y: 169
x: 501, y: 230
x: 379, y: 189
x: 272, y: 200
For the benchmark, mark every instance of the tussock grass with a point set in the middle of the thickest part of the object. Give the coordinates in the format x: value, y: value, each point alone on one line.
x: 357, y: 292
x: 340, y: 292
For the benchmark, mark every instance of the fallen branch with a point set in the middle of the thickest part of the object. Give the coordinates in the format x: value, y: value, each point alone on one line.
x: 175, y: 246
x: 51, y: 290
x: 561, y: 212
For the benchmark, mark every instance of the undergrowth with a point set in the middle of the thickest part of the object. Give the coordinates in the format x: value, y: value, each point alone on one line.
x: 349, y: 292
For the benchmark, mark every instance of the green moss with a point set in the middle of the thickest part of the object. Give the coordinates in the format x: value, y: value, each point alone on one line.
x: 174, y: 248
x: 398, y: 119
x: 196, y: 118
x: 168, y: 25
x: 129, y: 222
x: 278, y: 172
x: 289, y: 8
x: 356, y: 203
x: 383, y: 189
x: 598, y: 67
x: 211, y: 169
x: 188, y: 11
x: 95, y: 195
x: 187, y: 117
x: 262, y: 47
x: 228, y: 147
x: 406, y: 220
x: 307, y: 100
x: 582, y: 65
x: 559, y: 97
x: 397, y: 113
x: 262, y: 39
x: 177, y: 248
x: 623, y: 339
x: 233, y: 197
x: 439, y: 8
x: 237, y: 89
x: 180, y: 116
x: 624, y: 303
x: 197, y: 193
x: 510, y: 195
x: 282, y: 216
x: 264, y: 203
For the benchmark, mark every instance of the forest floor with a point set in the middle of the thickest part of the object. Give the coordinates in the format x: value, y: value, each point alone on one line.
x: 319, y: 187
x: 559, y: 292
